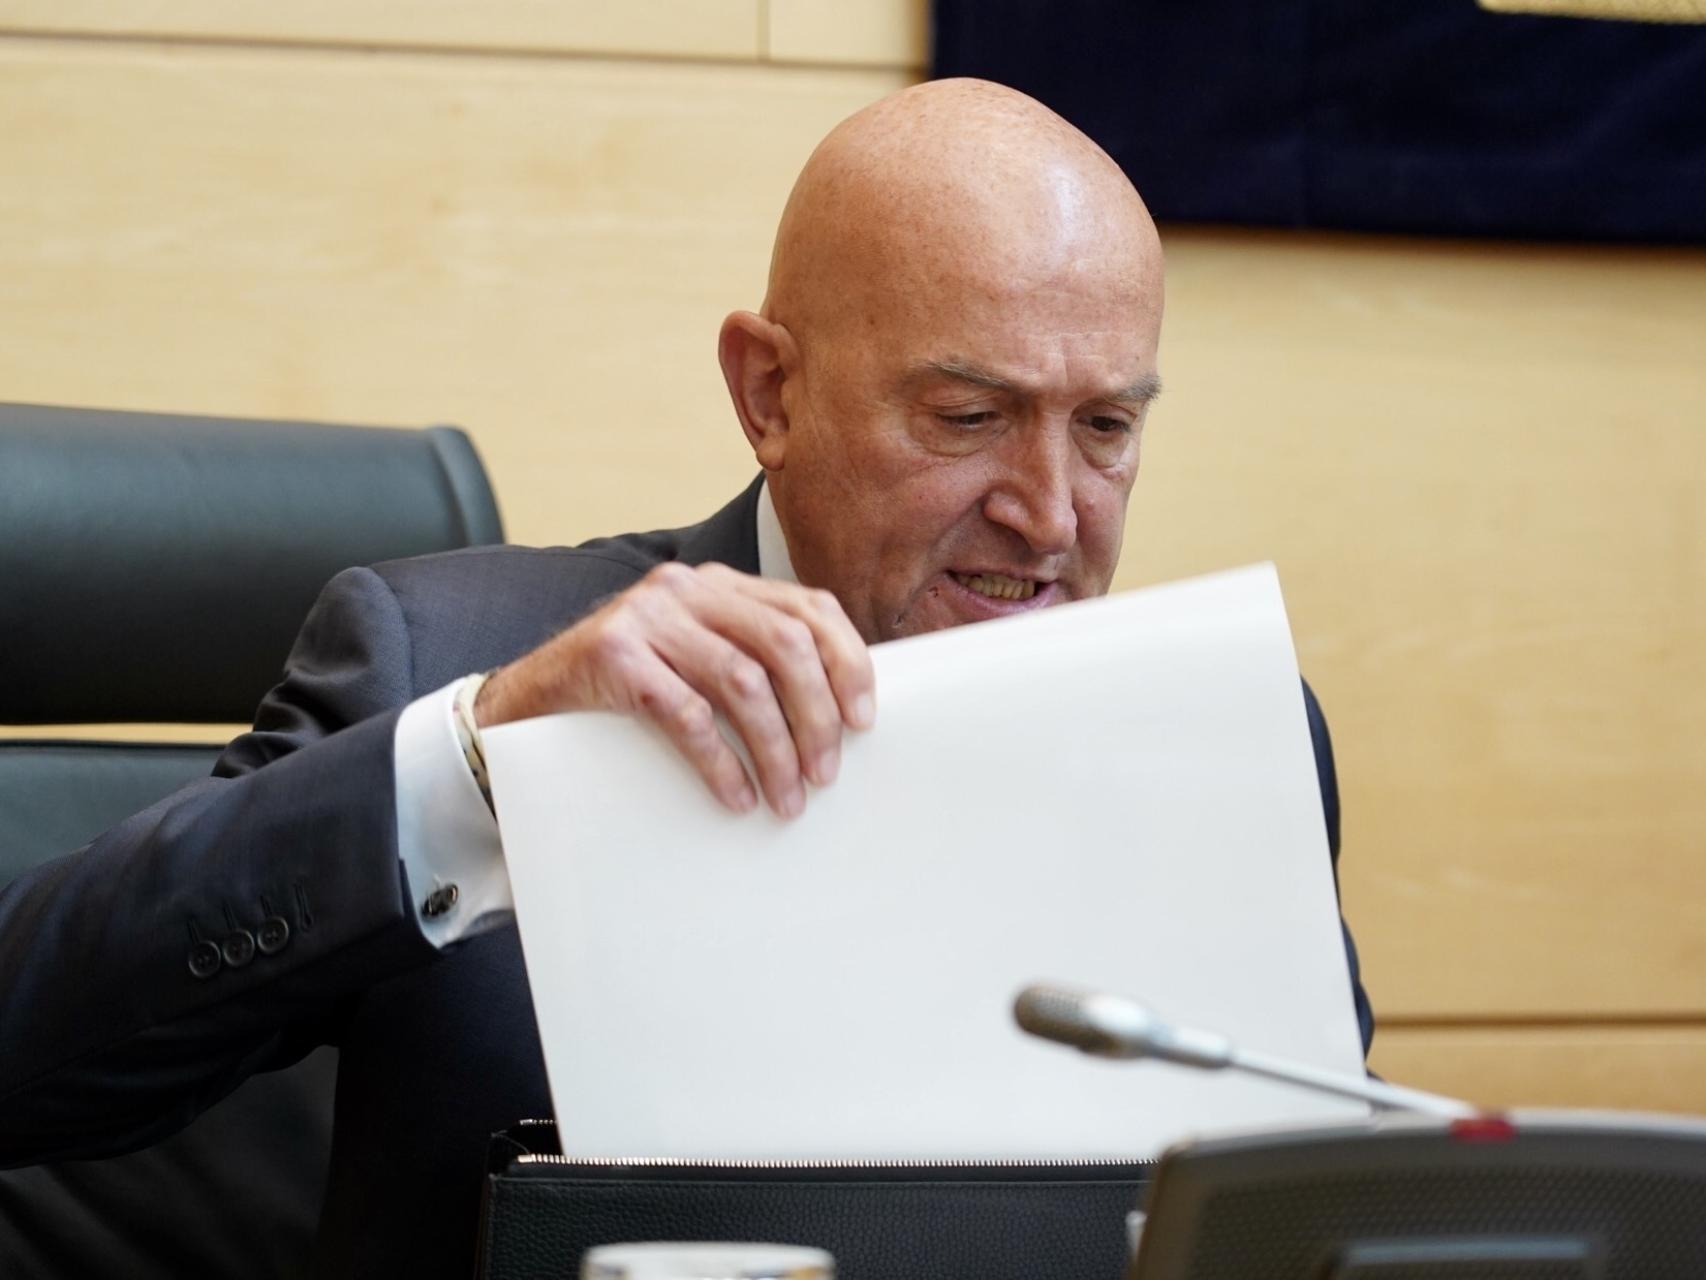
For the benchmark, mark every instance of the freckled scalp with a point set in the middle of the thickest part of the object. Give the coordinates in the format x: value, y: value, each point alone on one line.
x: 954, y: 181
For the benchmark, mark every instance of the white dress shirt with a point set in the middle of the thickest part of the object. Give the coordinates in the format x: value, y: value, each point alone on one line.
x: 446, y: 836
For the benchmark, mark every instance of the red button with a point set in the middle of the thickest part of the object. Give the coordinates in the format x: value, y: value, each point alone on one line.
x: 1483, y: 1129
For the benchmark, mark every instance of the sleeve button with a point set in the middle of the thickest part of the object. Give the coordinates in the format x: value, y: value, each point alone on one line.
x: 272, y: 935
x: 238, y: 948
x: 204, y: 960
x: 439, y: 901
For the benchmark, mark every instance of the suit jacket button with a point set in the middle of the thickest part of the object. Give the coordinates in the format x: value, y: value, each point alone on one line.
x: 238, y: 948
x: 272, y: 935
x: 204, y: 960
x: 439, y: 901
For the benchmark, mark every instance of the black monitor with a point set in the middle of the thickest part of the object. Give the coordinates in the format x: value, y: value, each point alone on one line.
x: 1525, y: 1196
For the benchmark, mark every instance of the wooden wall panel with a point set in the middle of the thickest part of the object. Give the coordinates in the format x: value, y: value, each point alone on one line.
x: 651, y: 28
x: 1482, y: 471
x: 1480, y: 467
x: 883, y: 33
x: 1639, y: 1068
x: 204, y: 734
x: 541, y: 251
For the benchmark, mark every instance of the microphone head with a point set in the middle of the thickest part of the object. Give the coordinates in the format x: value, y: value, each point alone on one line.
x: 1103, y: 1025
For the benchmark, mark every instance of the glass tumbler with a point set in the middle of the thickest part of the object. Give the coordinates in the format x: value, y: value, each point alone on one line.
x: 706, y: 1261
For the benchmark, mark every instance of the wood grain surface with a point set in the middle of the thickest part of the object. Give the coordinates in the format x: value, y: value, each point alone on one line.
x: 652, y: 28
x: 1480, y: 467
x: 538, y: 250
x: 1641, y: 1068
x: 882, y: 33
x: 878, y: 33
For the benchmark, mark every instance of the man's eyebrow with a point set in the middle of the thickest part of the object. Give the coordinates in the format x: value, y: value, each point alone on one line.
x: 1141, y: 390
x: 960, y: 371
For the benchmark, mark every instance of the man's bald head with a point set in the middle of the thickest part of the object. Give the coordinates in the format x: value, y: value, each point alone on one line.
x: 953, y: 180
x: 948, y: 380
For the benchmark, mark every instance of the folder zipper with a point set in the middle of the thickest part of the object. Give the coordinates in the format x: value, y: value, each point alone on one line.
x: 683, y: 1162
x: 828, y: 1166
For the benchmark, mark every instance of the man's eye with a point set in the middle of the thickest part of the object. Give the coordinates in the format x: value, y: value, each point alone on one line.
x: 1109, y: 425
x: 966, y: 421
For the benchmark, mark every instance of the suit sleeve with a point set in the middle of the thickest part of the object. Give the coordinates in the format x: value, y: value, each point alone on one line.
x: 1322, y: 742
x: 219, y: 932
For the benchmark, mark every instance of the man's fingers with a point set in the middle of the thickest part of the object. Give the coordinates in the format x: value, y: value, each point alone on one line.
x: 781, y: 662
x: 844, y: 656
x: 790, y: 651
x: 842, y: 652
x: 740, y: 686
x: 690, y: 722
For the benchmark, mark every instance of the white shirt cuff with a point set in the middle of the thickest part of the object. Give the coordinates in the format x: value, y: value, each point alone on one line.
x: 447, y: 838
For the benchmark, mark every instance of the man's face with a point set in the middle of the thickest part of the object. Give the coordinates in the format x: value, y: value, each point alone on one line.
x: 966, y: 452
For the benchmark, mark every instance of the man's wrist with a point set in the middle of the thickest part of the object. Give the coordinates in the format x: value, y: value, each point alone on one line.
x: 491, y: 702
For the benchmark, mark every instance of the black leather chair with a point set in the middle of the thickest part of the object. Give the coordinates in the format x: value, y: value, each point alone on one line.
x: 155, y: 568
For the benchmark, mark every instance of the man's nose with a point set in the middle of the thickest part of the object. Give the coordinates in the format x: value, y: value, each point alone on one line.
x: 1034, y: 496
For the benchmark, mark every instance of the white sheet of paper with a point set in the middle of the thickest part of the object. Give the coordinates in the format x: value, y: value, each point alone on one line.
x: 1118, y: 794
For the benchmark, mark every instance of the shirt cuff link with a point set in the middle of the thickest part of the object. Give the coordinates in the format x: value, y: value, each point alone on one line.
x: 440, y: 901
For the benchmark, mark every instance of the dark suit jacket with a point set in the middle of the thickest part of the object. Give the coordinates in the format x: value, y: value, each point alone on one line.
x: 111, y: 1040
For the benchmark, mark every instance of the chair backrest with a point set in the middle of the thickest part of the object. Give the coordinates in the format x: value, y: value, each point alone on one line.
x: 156, y: 569
x: 56, y: 795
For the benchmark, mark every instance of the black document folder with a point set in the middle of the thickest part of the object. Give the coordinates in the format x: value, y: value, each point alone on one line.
x: 882, y: 1221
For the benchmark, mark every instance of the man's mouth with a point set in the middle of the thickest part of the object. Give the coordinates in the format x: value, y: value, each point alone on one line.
x: 997, y: 586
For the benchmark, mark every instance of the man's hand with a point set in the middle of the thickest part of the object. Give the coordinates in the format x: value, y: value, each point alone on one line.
x: 780, y: 662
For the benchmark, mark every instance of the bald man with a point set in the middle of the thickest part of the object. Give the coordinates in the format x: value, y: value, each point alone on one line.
x: 945, y: 389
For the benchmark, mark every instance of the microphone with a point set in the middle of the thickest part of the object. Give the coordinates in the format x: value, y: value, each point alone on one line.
x: 1108, y: 1026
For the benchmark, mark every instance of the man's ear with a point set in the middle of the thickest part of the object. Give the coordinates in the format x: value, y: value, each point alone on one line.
x: 757, y: 355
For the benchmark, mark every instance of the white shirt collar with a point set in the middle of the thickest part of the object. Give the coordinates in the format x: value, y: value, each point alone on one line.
x: 773, y: 558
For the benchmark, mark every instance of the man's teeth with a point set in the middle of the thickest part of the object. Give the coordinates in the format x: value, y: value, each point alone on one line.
x: 998, y: 585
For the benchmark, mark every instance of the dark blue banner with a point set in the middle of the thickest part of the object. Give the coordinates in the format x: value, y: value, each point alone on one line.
x: 1422, y: 116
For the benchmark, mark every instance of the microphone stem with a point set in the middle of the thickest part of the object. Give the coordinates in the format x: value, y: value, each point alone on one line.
x: 1390, y: 1097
